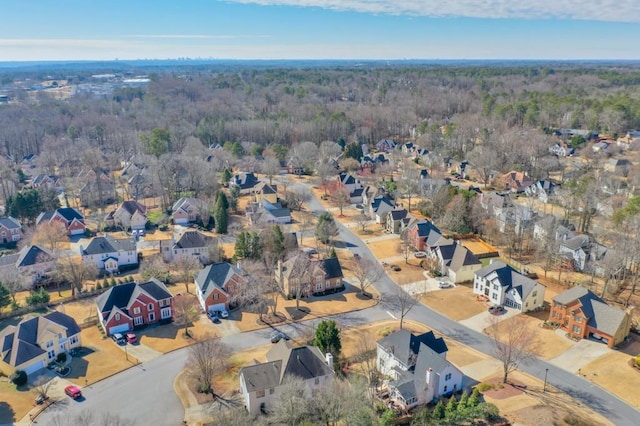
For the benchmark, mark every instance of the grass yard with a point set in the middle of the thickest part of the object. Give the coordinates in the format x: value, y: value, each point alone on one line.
x: 409, y: 273
x: 612, y: 372
x: 456, y: 303
x: 169, y: 337
x: 386, y: 248
x: 14, y: 403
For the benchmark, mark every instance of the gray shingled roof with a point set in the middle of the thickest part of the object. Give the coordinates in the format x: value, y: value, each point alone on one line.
x: 9, y: 222
x: 215, y: 275
x: 108, y: 244
x: 31, y: 255
x: 191, y: 239
x: 509, y: 278
x: 132, y: 206
x: 332, y: 268
x: 403, y: 344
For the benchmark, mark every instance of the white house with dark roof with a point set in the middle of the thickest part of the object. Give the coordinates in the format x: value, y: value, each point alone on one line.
x: 33, y: 263
x: 10, y: 230
x: 380, y: 207
x: 456, y: 261
x: 503, y: 285
x: 110, y: 254
x: 190, y: 243
x: 245, y: 181
x: 36, y: 341
x: 131, y: 305
x: 417, y: 368
x: 262, y: 384
x: 266, y: 212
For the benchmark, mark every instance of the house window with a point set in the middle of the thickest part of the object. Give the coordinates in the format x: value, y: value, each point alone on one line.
x: 137, y: 321
x: 445, y: 389
x: 117, y: 317
x: 215, y: 296
x: 494, y: 296
x: 136, y: 310
x: 578, y: 318
x: 327, y: 284
x: 318, y: 286
x: 51, y: 354
x: 165, y: 313
x: 535, y: 293
x: 49, y: 344
x: 73, y: 340
x: 576, y: 329
x: 447, y: 377
x: 260, y: 394
x: 495, y: 287
x: 152, y: 316
x: 150, y: 307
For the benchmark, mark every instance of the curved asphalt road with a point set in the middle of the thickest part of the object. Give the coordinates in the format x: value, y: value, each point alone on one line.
x: 145, y: 393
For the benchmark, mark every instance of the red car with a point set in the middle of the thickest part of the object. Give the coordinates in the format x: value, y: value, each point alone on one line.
x: 73, y: 391
x: 131, y: 338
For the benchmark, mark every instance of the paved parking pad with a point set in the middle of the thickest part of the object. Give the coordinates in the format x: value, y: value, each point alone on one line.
x: 142, y: 353
x: 483, y: 320
x: 582, y: 353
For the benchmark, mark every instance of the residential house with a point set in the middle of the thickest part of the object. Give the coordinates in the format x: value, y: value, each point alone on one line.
x: 417, y: 368
x: 261, y: 384
x: 34, y: 263
x: 186, y: 210
x: 36, y: 341
x: 310, y: 276
x: 456, y: 261
x: 577, y: 248
x: 348, y: 182
x: 295, y: 166
x: 386, y: 145
x: 561, y: 149
x: 90, y: 175
x: 245, y: 181
x: 265, y: 212
x: 266, y: 192
x: 423, y: 234
x: 44, y: 181
x: 370, y: 192
x: 190, y: 243
x: 130, y: 215
x: 420, y: 153
x: 620, y: 166
x: 545, y: 190
x: 110, y: 254
x: 516, y: 181
x: 600, y: 146
x: 379, y: 208
x: 29, y: 161
x: 10, y: 230
x: 408, y: 148
x: 71, y: 218
x: 97, y: 193
x: 503, y: 285
x: 217, y: 285
x: 140, y: 185
x: 396, y: 221
x: 131, y: 305
x: 582, y: 314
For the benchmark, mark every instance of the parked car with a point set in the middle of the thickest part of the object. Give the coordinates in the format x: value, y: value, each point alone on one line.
x: 119, y: 338
x: 497, y: 309
x: 73, y: 391
x: 276, y: 336
x: 311, y: 251
x: 420, y: 254
x: 131, y: 338
x: 214, y: 317
x: 224, y: 313
x: 395, y: 268
x: 444, y: 284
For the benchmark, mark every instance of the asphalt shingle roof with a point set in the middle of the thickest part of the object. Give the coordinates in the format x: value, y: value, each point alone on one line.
x: 108, y: 244
x: 191, y: 239
x: 215, y: 275
x: 31, y: 255
x: 156, y: 289
x: 9, y: 222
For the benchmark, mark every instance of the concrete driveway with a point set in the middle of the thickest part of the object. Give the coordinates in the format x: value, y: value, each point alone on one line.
x: 140, y: 352
x: 427, y: 285
x: 483, y: 319
x: 581, y: 354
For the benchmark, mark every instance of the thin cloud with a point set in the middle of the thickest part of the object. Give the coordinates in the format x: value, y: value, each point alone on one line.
x: 195, y: 36
x: 591, y: 10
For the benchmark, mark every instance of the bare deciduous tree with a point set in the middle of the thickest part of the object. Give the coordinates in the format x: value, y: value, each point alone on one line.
x: 185, y: 311
x: 402, y: 302
x: 207, y: 358
x: 186, y: 266
x: 513, y: 343
x: 291, y: 406
x: 75, y: 271
x: 366, y: 272
x: 13, y: 280
x: 50, y: 235
x: 340, y: 198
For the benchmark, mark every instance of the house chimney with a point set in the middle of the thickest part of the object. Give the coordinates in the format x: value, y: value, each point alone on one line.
x: 429, y: 373
x: 329, y: 358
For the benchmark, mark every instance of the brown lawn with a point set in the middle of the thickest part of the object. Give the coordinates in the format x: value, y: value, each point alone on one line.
x: 229, y: 380
x: 612, y: 372
x: 14, y: 403
x: 169, y: 337
x: 456, y: 303
x: 81, y: 310
x: 462, y: 355
x: 478, y: 246
x: 549, y: 344
x: 384, y: 248
x: 409, y: 272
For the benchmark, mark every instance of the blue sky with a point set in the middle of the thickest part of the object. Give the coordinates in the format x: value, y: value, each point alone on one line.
x: 319, y: 29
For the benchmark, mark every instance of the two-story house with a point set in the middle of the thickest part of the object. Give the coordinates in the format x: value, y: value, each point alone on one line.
x: 456, y: 261
x: 386, y: 145
x: 217, y: 285
x: 577, y: 248
x: 396, y: 221
x: 266, y: 212
x: 245, y: 181
x: 582, y: 314
x: 315, y: 276
x: 516, y: 181
x: 71, y: 218
x: 417, y: 368
x: 10, y: 230
x: 379, y: 208
x: 261, y: 384
x: 190, y: 243
x: 36, y: 341
x: 545, y: 190
x: 186, y: 210
x: 33, y: 263
x: 503, y: 285
x: 110, y: 254
x: 423, y: 234
x: 130, y: 215
x: 44, y: 181
x: 132, y: 305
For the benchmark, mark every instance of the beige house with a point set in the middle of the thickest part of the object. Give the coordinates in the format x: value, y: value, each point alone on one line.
x: 309, y: 276
x: 37, y: 341
x: 33, y: 263
x: 456, y: 261
x: 190, y: 243
x: 186, y: 210
x: 129, y: 215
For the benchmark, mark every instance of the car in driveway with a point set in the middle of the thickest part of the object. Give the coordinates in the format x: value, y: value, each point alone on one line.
x: 73, y: 391
x: 420, y: 254
x: 131, y: 338
x: 497, y: 310
x: 276, y: 336
x: 223, y: 313
x: 213, y: 316
x: 119, y: 338
x: 444, y: 284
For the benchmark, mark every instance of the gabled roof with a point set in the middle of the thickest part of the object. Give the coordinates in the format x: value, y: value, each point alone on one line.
x: 216, y: 275
x: 10, y: 222
x: 577, y: 242
x: 398, y: 214
x: 498, y: 272
x: 455, y: 255
x: 405, y: 346
x: 108, y: 244
x: 245, y: 180
x: 69, y: 214
x: 191, y: 239
x: 331, y: 267
x: 123, y: 295
x: 31, y: 255
x: 132, y: 207
x: 156, y: 289
x: 425, y: 228
x: 185, y: 202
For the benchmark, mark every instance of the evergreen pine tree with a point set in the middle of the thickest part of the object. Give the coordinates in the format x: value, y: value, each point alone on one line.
x: 220, y: 215
x: 464, y: 400
x: 332, y: 253
x: 474, y: 399
x: 438, y: 411
x: 452, y: 405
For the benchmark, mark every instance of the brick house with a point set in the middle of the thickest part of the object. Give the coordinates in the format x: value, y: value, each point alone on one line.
x: 71, y: 218
x: 582, y: 314
x: 317, y: 276
x: 132, y: 305
x: 217, y: 285
x: 10, y: 230
x: 423, y: 234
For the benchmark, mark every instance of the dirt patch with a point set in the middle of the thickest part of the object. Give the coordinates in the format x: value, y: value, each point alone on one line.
x: 612, y: 372
x: 456, y: 303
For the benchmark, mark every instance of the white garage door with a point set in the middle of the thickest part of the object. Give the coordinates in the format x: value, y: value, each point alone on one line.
x: 216, y: 307
x: 34, y: 367
x: 119, y: 328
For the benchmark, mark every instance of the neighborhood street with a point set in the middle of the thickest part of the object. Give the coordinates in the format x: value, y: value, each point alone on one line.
x: 145, y: 393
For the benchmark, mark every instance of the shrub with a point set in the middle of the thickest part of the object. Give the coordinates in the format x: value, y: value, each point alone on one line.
x: 19, y: 378
x: 98, y: 286
x: 638, y: 360
x: 62, y: 357
x: 483, y: 387
x: 38, y: 296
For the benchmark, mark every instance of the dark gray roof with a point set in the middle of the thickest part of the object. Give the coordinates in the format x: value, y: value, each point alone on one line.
x: 403, y: 344
x: 579, y: 241
x: 69, y: 214
x: 31, y: 255
x: 285, y: 212
x: 398, y: 214
x: 9, y: 259
x: 117, y: 296
x: 508, y: 278
x: 108, y: 244
x: 156, y: 289
x: 455, y: 255
x: 215, y: 275
x: 425, y: 228
x: 332, y: 268
x: 262, y: 376
x: 191, y: 239
x: 245, y: 180
x: 64, y: 320
x: 132, y: 206
x: 9, y: 222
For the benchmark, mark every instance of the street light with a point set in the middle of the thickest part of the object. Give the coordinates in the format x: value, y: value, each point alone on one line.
x: 544, y: 388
